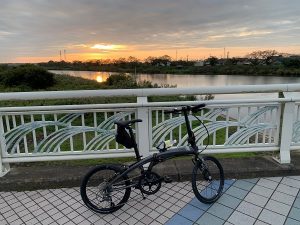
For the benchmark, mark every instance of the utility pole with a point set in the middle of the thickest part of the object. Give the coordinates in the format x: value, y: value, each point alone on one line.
x: 59, y: 55
x: 65, y: 55
x: 176, y: 55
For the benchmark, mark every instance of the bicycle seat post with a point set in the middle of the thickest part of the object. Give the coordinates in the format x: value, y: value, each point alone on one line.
x: 191, y: 136
x: 136, y: 150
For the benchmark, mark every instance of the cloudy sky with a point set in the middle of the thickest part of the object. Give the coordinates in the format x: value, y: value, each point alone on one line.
x: 36, y: 30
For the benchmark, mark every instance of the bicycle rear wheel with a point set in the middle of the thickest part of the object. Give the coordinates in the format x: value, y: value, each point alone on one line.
x: 208, y: 179
x: 100, y: 197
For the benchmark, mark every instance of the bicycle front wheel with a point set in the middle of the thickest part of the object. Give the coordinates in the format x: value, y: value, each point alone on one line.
x: 208, y: 179
x: 103, y: 198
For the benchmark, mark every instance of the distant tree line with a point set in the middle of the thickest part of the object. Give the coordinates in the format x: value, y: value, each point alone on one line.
x: 266, y: 57
x: 267, y: 62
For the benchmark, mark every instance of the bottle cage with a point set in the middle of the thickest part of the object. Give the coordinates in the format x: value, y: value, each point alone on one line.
x: 123, y: 138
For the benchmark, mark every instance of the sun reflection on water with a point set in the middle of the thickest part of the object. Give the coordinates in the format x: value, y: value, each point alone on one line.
x: 100, y: 77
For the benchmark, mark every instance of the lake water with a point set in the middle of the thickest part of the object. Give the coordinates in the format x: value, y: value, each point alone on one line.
x: 193, y: 80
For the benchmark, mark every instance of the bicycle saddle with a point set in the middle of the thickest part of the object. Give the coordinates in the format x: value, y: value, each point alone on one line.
x: 126, y: 123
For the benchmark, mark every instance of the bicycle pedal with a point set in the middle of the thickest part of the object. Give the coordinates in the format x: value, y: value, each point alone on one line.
x: 168, y: 179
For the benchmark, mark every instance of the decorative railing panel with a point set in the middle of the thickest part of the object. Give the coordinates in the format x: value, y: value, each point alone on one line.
x: 35, y: 133
x: 237, y: 126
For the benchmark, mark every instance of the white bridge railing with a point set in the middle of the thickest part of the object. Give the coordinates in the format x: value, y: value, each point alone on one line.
x: 64, y: 132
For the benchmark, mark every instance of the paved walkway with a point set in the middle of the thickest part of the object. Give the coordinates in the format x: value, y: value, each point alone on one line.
x: 274, y: 200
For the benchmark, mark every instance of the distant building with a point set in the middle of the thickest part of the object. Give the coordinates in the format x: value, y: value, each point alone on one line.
x: 163, y: 64
x: 199, y: 63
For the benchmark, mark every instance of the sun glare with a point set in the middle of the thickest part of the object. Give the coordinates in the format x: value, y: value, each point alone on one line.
x: 106, y: 47
x: 99, y: 79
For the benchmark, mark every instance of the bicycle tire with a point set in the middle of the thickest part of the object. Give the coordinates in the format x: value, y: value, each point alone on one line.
x: 93, y: 198
x: 203, y: 169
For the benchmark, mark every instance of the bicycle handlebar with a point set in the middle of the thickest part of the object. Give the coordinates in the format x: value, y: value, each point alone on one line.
x: 193, y: 109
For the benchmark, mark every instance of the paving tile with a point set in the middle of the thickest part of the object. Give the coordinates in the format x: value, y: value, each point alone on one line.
x: 154, y: 222
x: 258, y: 222
x: 162, y: 219
x: 295, y: 214
x: 179, y: 220
x: 195, y: 202
x: 95, y: 218
x: 208, y: 219
x: 276, y: 179
x: 131, y: 211
x: 42, y: 216
x: 32, y: 221
x: 69, y: 223
x: 229, y: 182
x: 12, y: 218
x: 267, y: 183
x: 16, y: 222
x: 153, y: 214
x: 263, y: 191
x: 229, y: 201
x: 238, y: 218
x: 278, y: 207
x: 271, y: 217
x: 169, y: 214
x: 63, y: 220
x: 249, y: 209
x: 131, y: 220
x: 284, y: 198
x: 256, y: 199
x: 190, y: 212
x: 146, y: 220
x: 294, y: 177
x: 175, y: 208
x: 236, y: 192
x: 27, y: 217
x: 180, y: 203
x: 290, y: 221
x: 138, y: 215
x: 297, y: 203
x: 291, y: 182
x: 287, y: 189
x: 245, y: 185
x: 220, y: 211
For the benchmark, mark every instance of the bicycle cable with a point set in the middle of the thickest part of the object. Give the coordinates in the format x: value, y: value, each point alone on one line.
x: 208, y: 137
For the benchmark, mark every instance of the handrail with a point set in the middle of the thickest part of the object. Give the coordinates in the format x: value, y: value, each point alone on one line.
x: 143, y: 92
x: 136, y: 105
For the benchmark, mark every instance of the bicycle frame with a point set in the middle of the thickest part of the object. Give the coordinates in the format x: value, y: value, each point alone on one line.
x: 162, y: 156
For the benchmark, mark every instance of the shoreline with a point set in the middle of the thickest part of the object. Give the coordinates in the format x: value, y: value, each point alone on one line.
x: 180, y: 73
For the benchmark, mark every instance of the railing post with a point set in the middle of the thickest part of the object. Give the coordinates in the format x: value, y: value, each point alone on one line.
x: 286, y: 132
x: 4, y: 167
x: 143, y: 128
